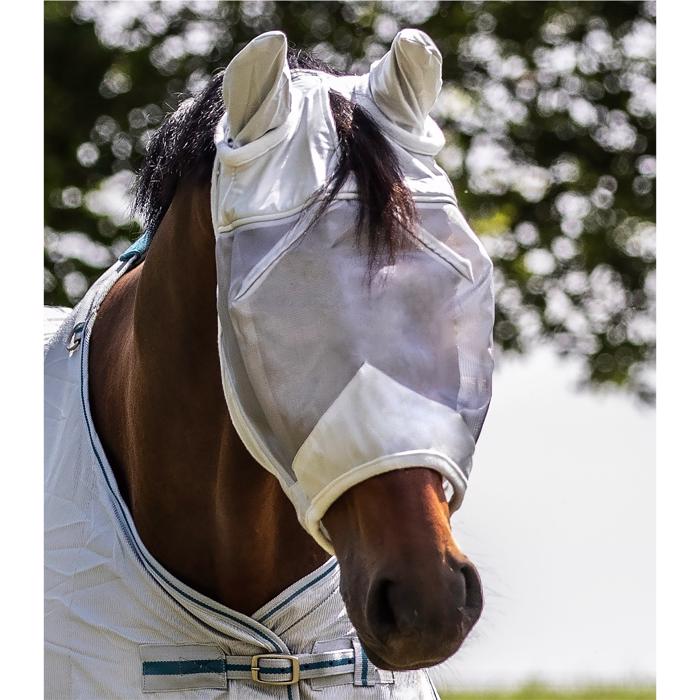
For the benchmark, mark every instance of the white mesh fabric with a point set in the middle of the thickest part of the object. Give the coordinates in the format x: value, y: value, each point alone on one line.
x: 302, y: 316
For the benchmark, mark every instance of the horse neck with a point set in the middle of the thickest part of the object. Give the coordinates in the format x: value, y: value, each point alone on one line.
x: 203, y: 507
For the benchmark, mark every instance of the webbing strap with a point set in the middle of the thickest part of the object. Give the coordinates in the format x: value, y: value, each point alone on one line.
x: 178, y: 667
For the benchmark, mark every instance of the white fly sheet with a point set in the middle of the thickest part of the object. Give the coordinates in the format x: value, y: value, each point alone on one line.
x: 118, y: 625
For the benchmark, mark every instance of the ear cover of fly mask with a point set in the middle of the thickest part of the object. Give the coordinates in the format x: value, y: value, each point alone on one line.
x: 256, y: 88
x: 406, y: 81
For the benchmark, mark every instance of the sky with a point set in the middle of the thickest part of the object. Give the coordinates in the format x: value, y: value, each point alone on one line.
x: 559, y: 519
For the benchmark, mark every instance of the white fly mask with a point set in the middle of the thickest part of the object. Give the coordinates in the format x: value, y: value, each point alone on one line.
x: 332, y: 377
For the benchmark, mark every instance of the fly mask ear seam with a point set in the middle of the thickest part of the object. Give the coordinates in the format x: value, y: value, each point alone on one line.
x: 238, y: 156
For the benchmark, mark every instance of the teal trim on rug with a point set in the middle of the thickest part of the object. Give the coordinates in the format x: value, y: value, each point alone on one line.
x: 138, y: 248
x: 183, y: 668
x: 298, y: 592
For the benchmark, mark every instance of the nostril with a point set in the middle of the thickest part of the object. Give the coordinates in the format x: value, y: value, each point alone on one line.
x: 474, y: 599
x: 379, y: 608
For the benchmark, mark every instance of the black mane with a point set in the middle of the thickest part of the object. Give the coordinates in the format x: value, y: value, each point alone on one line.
x: 182, y: 150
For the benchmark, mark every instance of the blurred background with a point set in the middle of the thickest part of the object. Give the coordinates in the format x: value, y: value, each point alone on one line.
x: 548, y: 109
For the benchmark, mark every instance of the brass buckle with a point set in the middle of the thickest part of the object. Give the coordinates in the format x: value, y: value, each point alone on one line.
x: 255, y: 669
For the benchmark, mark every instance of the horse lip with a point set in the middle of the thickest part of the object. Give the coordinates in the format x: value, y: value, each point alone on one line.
x: 378, y: 660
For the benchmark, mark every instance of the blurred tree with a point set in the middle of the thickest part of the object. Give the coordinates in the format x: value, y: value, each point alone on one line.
x: 548, y: 109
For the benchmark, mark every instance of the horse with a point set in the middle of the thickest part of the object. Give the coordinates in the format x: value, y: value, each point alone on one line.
x: 181, y: 556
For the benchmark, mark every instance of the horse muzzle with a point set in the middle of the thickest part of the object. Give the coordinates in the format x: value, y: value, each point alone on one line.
x: 412, y: 596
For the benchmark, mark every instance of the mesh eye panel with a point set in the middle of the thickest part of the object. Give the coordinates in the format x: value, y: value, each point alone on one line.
x: 304, y: 317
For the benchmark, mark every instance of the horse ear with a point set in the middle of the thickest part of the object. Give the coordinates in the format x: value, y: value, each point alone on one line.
x: 257, y: 88
x: 406, y: 81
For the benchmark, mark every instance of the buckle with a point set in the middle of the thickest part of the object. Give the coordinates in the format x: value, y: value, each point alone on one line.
x: 255, y: 668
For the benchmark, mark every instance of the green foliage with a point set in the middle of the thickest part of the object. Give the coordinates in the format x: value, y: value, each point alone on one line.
x: 539, y: 692
x: 548, y: 110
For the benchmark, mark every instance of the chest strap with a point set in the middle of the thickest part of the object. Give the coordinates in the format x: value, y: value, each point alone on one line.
x: 188, y: 667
